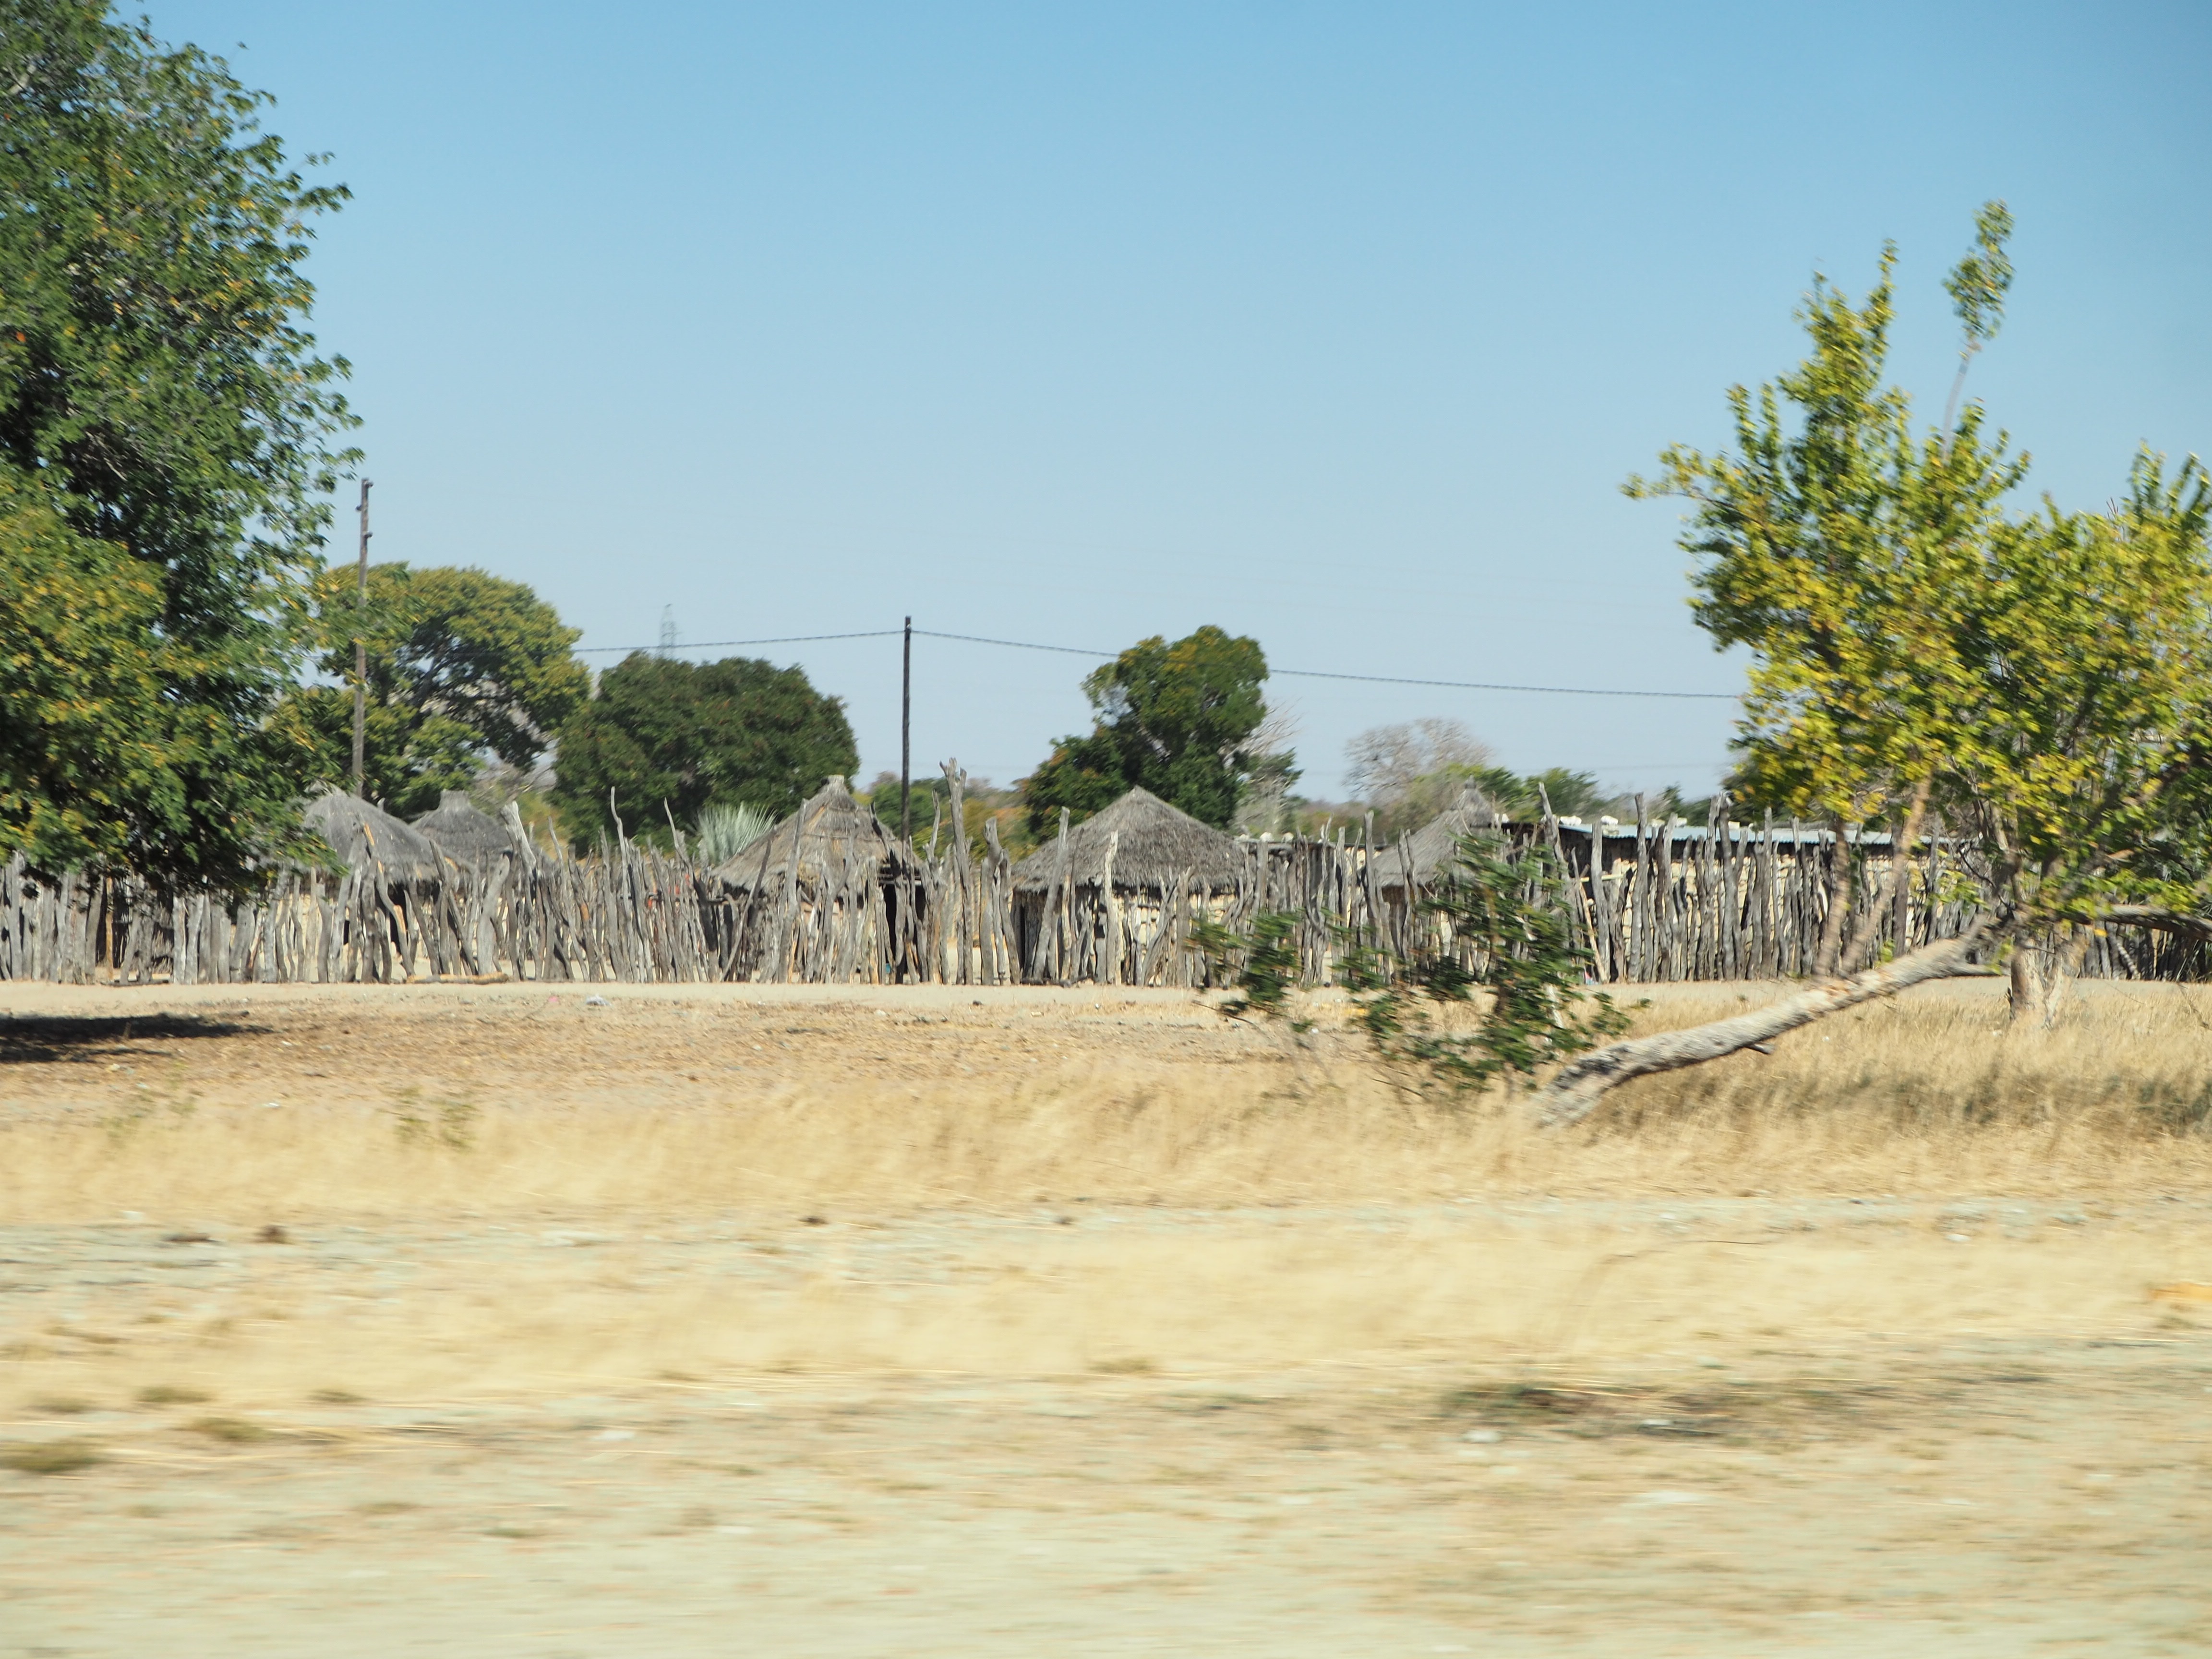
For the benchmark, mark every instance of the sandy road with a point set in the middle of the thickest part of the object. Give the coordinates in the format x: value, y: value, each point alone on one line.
x: 1975, y: 1497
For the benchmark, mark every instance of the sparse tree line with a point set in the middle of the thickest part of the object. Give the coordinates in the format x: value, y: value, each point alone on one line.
x: 176, y: 662
x: 178, y: 666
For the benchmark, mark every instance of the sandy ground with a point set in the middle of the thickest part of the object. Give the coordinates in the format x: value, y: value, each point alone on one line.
x: 1816, y: 1422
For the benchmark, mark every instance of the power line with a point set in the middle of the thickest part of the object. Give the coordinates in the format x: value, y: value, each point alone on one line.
x: 1019, y: 645
x: 1371, y: 679
x: 780, y: 639
x: 1274, y: 673
x: 1480, y: 685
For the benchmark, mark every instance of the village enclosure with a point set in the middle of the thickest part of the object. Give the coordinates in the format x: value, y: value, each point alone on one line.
x: 830, y: 896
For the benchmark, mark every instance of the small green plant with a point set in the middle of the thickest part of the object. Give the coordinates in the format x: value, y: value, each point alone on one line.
x: 446, y: 1122
x: 1497, y: 924
x: 62, y: 1406
x: 50, y: 1457
x: 728, y: 828
x: 1262, y: 966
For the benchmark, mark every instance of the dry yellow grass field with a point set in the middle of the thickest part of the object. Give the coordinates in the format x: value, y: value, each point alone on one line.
x: 511, y: 1098
x: 254, y: 1227
x: 632, y: 1119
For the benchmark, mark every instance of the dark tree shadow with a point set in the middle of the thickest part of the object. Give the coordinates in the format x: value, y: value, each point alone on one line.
x: 35, y: 1039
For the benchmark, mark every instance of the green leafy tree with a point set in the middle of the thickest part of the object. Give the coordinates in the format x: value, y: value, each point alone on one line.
x: 1918, y: 651
x: 924, y: 796
x: 1258, y: 964
x: 160, y: 397
x: 668, y: 738
x: 93, y: 763
x: 929, y: 802
x: 1978, y: 286
x: 1572, y: 794
x: 1495, y: 945
x: 1501, y: 942
x: 464, y: 667
x: 1172, y: 719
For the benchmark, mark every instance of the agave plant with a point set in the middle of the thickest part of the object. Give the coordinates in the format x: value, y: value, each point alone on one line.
x: 726, y: 828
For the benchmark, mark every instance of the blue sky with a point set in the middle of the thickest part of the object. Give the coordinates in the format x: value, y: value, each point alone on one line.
x: 1334, y: 325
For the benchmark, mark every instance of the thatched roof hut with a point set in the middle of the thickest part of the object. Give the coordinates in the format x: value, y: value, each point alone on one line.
x: 1433, y: 846
x: 1153, y: 845
x: 463, y: 832
x: 834, y: 833
x: 365, y: 837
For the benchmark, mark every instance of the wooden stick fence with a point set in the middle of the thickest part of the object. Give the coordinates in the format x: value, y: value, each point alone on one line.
x: 1649, y: 901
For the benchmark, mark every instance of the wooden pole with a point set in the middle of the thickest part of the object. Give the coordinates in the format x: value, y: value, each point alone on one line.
x: 361, y: 659
x: 956, y: 782
x: 906, y: 735
x: 1063, y: 919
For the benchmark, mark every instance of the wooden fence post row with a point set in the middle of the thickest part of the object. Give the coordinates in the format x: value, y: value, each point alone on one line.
x: 1648, y: 901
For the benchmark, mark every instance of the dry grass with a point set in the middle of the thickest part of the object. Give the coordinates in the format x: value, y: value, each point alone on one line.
x: 1932, y: 1094
x: 2126, y: 1062
x: 1931, y: 1098
x: 50, y: 1457
x: 1166, y: 1305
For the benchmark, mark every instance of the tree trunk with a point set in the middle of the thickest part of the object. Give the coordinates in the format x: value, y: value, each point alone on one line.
x: 2024, y: 980
x: 1827, y: 960
x: 1897, y: 886
x: 1571, y: 1096
x: 2063, y: 950
x: 2060, y: 963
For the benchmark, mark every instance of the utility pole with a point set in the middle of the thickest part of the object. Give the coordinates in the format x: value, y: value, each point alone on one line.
x: 906, y: 737
x: 361, y: 659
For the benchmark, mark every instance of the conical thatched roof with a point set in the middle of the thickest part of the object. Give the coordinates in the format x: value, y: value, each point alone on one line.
x: 365, y: 837
x: 1153, y: 844
x: 1432, y: 847
x: 461, y: 831
x: 833, y: 831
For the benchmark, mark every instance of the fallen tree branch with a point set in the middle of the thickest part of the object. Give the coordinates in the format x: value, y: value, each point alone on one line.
x: 1571, y: 1096
x: 2158, y: 920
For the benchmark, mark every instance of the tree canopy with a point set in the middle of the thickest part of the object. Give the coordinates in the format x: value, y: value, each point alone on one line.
x: 670, y: 738
x: 1172, y: 719
x: 1921, y: 653
x: 94, y: 765
x: 2032, y: 679
x: 160, y: 399
x: 462, y: 665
